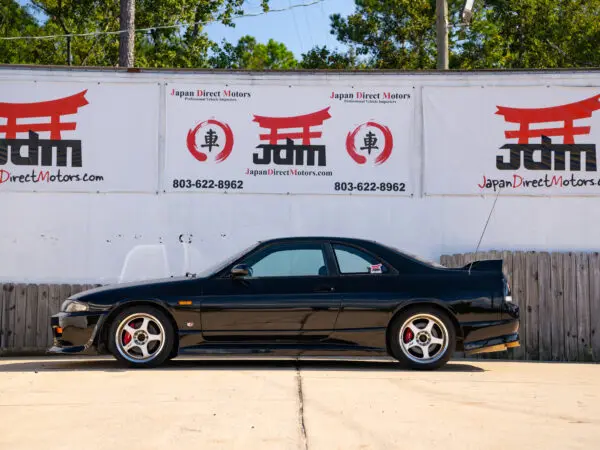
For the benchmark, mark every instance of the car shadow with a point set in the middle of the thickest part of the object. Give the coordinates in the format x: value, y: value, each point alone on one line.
x: 111, y: 365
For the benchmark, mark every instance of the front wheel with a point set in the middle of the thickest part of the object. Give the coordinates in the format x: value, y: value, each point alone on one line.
x: 141, y: 336
x: 422, y: 338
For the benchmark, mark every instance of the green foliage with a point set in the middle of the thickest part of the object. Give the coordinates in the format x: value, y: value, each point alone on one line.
x: 393, y: 34
x: 401, y: 34
x: 384, y: 34
x: 323, y: 58
x: 16, y: 21
x: 531, y: 34
x: 250, y: 55
x: 168, y: 47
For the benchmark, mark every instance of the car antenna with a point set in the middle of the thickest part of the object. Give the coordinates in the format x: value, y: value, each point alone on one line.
x: 485, y: 228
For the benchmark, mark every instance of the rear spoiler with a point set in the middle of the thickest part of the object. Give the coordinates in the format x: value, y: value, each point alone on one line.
x: 491, y: 265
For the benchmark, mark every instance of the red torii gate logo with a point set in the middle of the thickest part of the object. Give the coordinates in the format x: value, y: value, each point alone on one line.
x: 553, y: 156
x: 291, y: 153
x: 52, y: 109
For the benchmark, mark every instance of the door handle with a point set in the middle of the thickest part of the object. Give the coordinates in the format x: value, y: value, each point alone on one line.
x: 325, y: 289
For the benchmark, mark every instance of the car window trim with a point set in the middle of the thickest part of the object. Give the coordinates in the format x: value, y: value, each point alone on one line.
x: 282, y: 245
x: 391, y: 269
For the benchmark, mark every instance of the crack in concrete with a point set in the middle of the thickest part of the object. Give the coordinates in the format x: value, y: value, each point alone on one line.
x: 304, y: 438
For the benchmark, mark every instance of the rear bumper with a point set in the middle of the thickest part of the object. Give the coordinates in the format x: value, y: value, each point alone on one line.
x: 74, y: 332
x: 497, y: 344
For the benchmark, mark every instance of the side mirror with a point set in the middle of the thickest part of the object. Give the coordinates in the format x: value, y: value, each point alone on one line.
x: 240, y: 270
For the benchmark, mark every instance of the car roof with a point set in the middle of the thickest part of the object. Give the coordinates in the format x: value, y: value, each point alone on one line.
x: 315, y: 238
x: 319, y: 238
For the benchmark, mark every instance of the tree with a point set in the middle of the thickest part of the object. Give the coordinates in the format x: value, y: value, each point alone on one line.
x: 127, y: 39
x: 531, y: 34
x: 397, y: 34
x: 323, y: 58
x: 16, y: 20
x: 400, y: 34
x: 251, y: 55
x: 162, y: 46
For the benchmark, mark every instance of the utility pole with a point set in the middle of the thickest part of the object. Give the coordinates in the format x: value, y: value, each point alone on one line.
x: 127, y: 39
x: 441, y: 13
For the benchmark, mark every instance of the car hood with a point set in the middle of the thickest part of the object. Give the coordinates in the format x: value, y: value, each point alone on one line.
x: 137, y: 288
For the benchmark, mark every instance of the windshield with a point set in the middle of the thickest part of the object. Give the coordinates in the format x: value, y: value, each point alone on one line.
x: 417, y: 258
x: 214, y: 268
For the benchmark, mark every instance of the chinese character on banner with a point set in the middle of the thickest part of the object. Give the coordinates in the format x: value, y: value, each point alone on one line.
x: 16, y: 115
x: 289, y: 152
x: 553, y: 156
x: 211, y: 140
x: 370, y: 143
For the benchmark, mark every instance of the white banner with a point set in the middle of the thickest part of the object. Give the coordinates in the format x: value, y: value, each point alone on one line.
x: 297, y: 140
x: 78, y: 137
x: 520, y: 140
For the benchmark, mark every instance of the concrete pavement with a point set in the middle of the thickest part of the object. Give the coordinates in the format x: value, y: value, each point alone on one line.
x: 92, y: 403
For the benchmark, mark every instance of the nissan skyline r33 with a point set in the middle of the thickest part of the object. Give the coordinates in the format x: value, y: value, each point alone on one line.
x: 301, y: 296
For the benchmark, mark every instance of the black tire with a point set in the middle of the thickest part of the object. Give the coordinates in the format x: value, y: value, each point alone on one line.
x: 443, y: 325
x: 158, y: 322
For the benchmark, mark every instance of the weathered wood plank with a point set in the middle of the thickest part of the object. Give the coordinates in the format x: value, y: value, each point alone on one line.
x: 532, y: 301
x: 570, y: 305
x: 507, y: 268
x: 43, y: 317
x: 495, y: 255
x: 507, y: 265
x: 545, y: 306
x: 21, y: 316
x: 54, y: 302
x: 595, y: 306
x: 31, y: 316
x: 584, y: 352
x: 3, y: 325
x: 518, y: 290
x: 65, y: 292
x: 556, y: 307
x: 445, y: 260
x: 10, y: 307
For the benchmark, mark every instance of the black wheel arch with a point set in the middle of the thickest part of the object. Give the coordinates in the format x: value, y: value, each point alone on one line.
x: 101, y: 338
x: 440, y: 306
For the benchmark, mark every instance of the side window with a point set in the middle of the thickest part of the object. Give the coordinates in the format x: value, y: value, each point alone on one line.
x: 352, y: 260
x: 292, y: 262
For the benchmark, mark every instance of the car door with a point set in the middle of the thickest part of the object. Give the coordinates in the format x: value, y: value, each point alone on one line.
x: 369, y: 286
x: 289, y: 295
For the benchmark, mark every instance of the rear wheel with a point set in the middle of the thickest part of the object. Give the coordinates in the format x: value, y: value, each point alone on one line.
x: 422, y: 338
x: 141, y: 336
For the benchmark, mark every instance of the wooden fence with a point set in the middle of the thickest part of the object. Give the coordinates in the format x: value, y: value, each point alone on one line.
x: 559, y: 296
x: 559, y: 299
x: 25, y: 311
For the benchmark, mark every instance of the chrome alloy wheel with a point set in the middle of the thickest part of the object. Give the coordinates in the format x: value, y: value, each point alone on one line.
x: 424, y: 338
x: 140, y: 338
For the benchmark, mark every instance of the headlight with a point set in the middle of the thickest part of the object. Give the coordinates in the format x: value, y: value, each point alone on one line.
x: 73, y: 306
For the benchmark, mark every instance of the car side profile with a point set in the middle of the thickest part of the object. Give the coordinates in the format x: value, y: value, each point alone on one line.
x: 300, y: 296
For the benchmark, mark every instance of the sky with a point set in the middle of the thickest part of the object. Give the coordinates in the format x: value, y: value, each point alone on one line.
x: 300, y: 29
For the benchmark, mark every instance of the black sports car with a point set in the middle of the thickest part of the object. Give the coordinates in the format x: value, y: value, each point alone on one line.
x: 300, y: 296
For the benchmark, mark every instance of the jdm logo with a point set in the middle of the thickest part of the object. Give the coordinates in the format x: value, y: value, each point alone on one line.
x: 218, y: 141
x: 547, y: 155
x: 33, y: 118
x: 297, y: 133
x: 372, y: 139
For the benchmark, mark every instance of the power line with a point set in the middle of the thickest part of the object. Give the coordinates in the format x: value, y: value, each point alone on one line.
x: 158, y: 27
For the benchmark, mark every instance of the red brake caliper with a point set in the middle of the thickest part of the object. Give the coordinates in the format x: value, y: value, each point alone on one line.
x: 408, y: 335
x: 126, y: 336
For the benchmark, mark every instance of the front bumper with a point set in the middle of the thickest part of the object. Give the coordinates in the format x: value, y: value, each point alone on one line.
x: 74, y: 332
